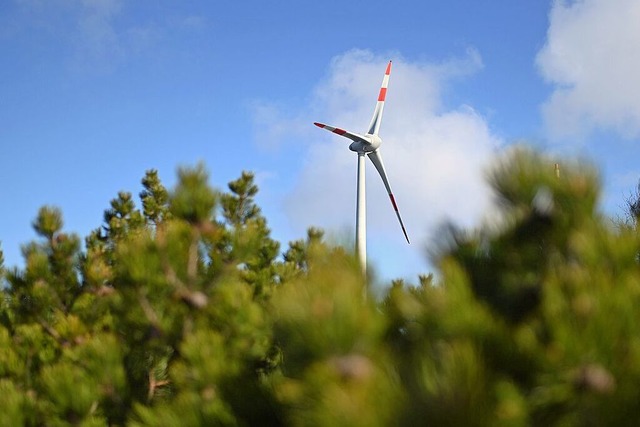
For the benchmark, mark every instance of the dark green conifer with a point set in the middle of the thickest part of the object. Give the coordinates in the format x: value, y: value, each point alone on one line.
x: 182, y: 313
x: 155, y: 198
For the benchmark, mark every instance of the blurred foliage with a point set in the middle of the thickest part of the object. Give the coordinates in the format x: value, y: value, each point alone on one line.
x: 185, y: 312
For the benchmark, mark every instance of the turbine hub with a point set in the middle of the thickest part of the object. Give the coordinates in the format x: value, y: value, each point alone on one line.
x: 373, y: 143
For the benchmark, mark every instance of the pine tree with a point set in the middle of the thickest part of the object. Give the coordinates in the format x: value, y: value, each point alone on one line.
x: 632, y: 209
x: 155, y: 199
x: 245, y: 244
x: 1, y: 266
x: 182, y: 312
x: 527, y: 324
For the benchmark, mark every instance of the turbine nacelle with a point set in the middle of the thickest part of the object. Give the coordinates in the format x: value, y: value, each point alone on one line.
x: 368, y: 144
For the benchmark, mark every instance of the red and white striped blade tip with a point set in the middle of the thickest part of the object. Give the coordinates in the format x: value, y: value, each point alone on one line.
x: 395, y: 207
x: 337, y: 131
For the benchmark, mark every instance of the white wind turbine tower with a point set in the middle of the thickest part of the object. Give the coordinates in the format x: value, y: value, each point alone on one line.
x: 368, y: 145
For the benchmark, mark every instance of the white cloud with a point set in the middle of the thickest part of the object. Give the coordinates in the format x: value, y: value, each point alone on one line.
x: 99, y: 39
x: 435, y: 159
x: 592, y: 56
x: 274, y: 125
x: 100, y: 33
x: 88, y: 26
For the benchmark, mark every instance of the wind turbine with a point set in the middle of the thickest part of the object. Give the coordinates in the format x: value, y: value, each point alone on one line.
x: 368, y: 144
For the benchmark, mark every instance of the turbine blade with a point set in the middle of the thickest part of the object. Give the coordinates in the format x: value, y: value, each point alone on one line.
x: 352, y: 136
x: 374, y: 126
x: 376, y: 159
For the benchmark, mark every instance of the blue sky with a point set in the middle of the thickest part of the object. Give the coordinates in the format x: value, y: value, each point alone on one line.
x: 95, y: 92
